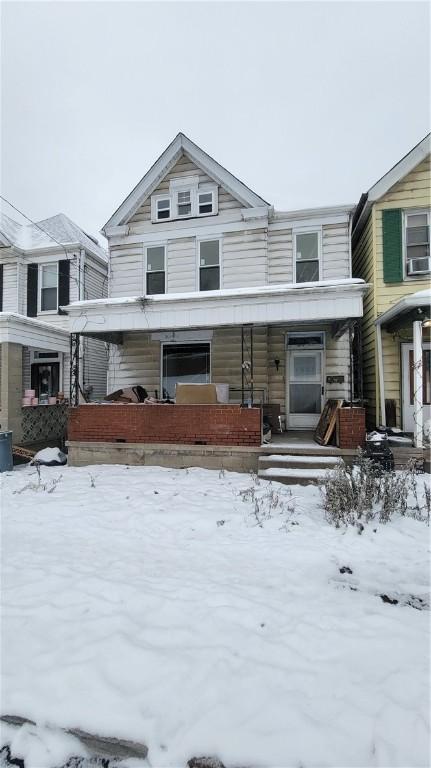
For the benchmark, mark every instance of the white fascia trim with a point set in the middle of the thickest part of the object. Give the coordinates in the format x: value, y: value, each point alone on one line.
x: 419, y: 299
x: 275, y: 305
x: 163, y: 165
x: 401, y: 169
x: 19, y: 329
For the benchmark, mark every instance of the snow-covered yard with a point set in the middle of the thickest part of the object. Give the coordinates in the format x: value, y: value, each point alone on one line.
x: 149, y: 604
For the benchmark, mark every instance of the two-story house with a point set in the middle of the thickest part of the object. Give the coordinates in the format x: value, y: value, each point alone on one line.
x: 208, y: 283
x: 43, y: 266
x: 391, y: 251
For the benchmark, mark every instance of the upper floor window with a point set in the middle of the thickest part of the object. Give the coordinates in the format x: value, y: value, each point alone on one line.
x: 307, y: 257
x: 417, y: 240
x: 48, y: 299
x: 209, y: 265
x: 185, y: 199
x: 155, y: 273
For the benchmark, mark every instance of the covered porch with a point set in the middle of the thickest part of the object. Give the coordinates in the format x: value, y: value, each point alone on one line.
x: 32, y: 354
x: 404, y: 365
x: 280, y: 350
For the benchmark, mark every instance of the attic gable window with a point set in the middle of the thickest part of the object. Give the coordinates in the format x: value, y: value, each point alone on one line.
x: 163, y: 208
x: 185, y: 199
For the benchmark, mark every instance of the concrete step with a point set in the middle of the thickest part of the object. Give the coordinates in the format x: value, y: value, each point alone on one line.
x: 298, y: 462
x: 293, y: 476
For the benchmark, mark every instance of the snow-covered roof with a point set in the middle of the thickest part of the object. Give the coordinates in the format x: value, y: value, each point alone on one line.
x: 415, y: 300
x: 182, y: 144
x: 57, y: 229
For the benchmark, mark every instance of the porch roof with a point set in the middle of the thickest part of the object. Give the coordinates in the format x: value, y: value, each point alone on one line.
x: 418, y: 300
x: 19, y: 329
x: 327, y: 300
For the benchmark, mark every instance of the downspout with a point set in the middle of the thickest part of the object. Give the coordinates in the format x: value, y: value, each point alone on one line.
x: 418, y: 414
x: 382, y: 420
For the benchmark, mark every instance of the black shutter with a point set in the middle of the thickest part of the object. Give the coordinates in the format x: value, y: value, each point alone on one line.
x: 1, y: 287
x: 63, y: 282
x: 32, y: 271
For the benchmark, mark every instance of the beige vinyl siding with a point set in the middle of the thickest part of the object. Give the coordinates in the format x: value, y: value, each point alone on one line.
x: 181, y: 261
x: 126, y: 270
x: 183, y: 168
x: 335, y: 255
x: 244, y: 261
x: 280, y: 256
x: 226, y: 360
x: 335, y: 251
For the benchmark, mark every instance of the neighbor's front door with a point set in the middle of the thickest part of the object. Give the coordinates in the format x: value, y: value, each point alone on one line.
x: 408, y: 385
x: 304, y: 382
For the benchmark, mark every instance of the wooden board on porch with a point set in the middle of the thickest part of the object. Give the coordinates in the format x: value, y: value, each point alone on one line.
x: 327, y: 422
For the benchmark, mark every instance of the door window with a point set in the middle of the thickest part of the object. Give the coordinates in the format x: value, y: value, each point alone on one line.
x: 45, y: 378
x: 305, y: 388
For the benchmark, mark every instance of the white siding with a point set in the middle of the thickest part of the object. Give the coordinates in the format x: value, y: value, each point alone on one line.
x: 280, y: 256
x: 126, y: 270
x: 10, y: 291
x: 95, y: 352
x: 181, y: 263
x: 244, y: 260
x: 335, y: 251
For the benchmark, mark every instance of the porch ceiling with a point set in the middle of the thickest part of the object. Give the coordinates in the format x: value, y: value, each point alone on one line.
x: 267, y: 305
x: 18, y: 329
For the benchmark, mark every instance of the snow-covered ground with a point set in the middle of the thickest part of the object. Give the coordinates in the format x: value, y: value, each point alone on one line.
x: 149, y: 604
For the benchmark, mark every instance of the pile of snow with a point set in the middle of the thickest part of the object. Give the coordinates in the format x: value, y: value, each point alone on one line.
x: 50, y: 457
x: 155, y: 605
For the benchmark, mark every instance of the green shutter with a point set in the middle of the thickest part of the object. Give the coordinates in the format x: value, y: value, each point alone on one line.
x: 392, y: 246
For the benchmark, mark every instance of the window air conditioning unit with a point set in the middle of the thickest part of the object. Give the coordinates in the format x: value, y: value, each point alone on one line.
x: 419, y: 266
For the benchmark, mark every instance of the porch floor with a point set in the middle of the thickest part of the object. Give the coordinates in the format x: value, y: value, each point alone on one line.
x: 299, y: 441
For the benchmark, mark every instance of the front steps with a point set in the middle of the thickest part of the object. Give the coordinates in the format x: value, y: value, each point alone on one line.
x: 295, y: 469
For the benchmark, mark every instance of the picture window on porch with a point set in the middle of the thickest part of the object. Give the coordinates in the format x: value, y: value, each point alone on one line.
x: 48, y: 287
x: 155, y: 282
x: 185, y: 364
x: 417, y: 239
x: 209, y: 265
x: 307, y: 261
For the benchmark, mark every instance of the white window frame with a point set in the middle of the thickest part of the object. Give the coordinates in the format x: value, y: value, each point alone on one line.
x: 406, y: 213
x: 307, y: 231
x: 186, y: 184
x: 41, y: 311
x: 146, y: 248
x: 198, y: 260
x: 183, y: 343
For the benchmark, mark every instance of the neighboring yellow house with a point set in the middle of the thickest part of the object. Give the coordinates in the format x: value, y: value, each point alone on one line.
x: 391, y: 251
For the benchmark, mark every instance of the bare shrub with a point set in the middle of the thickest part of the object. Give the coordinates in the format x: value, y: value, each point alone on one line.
x: 355, y: 495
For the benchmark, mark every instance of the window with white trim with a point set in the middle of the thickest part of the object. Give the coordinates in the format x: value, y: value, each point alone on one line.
x: 48, y: 297
x: 184, y: 202
x: 209, y: 265
x: 307, y: 257
x: 185, y: 199
x: 155, y: 273
x: 163, y: 208
x: 205, y: 202
x: 417, y: 242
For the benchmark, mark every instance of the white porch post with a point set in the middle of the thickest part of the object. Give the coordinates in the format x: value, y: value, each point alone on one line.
x: 382, y: 420
x: 417, y: 384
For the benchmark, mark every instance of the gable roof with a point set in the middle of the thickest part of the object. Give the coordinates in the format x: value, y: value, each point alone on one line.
x: 383, y: 185
x: 57, y: 229
x: 182, y: 145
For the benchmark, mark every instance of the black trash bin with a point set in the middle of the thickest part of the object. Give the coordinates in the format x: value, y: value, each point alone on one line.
x: 377, y: 448
x: 6, y: 458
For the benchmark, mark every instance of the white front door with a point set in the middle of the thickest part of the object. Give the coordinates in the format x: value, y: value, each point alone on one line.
x: 304, y: 387
x: 408, y: 391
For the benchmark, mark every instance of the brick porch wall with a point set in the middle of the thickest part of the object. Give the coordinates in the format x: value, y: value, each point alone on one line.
x: 185, y: 424
x: 351, y: 427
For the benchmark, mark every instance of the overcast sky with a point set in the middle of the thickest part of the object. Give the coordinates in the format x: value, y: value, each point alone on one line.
x: 307, y: 103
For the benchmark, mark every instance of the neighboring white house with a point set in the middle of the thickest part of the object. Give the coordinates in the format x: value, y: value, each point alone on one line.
x: 197, y: 259
x: 42, y: 267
